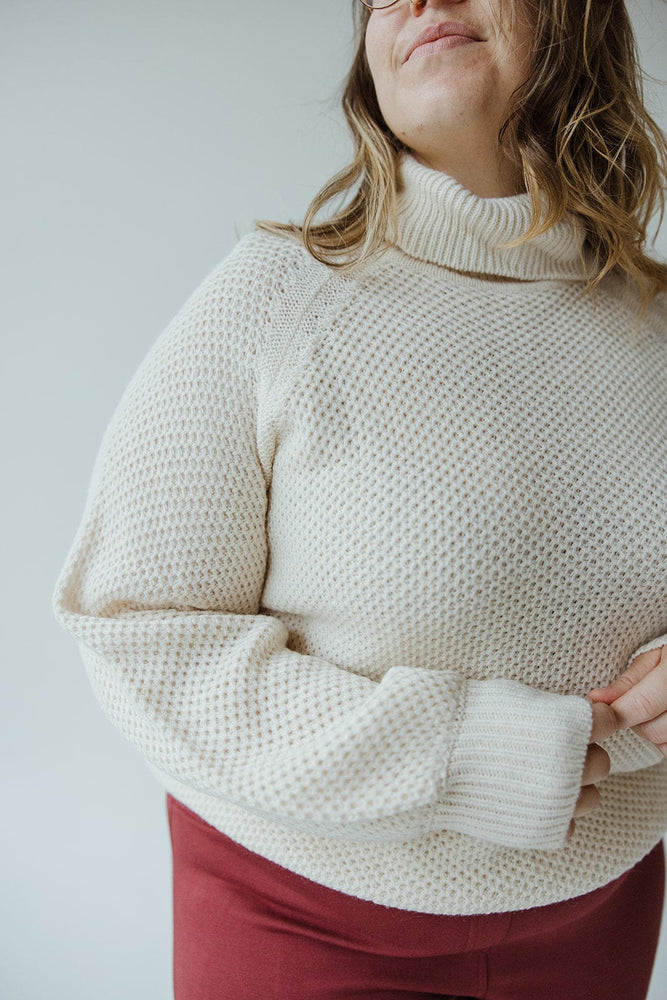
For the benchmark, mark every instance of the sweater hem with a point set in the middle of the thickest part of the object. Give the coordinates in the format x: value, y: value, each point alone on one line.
x: 402, y: 875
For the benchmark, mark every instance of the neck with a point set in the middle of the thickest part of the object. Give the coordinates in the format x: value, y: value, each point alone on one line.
x: 488, y: 173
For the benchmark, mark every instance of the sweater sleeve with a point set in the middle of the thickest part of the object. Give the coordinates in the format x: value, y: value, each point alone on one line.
x: 628, y: 751
x: 162, y: 590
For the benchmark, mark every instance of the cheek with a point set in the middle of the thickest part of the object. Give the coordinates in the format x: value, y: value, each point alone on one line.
x: 522, y: 52
x: 379, y: 44
x: 373, y: 50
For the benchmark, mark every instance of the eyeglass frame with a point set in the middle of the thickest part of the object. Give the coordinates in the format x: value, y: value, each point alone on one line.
x: 391, y: 3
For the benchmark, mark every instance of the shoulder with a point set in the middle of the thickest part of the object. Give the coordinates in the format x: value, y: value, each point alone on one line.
x: 264, y: 281
x: 658, y: 311
x: 262, y: 262
x: 623, y: 297
x: 235, y: 325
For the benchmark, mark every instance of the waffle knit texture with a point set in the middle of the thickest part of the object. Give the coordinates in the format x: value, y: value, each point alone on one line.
x: 356, y: 546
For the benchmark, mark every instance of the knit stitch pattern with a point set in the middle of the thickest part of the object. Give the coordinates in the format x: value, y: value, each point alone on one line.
x: 355, y: 547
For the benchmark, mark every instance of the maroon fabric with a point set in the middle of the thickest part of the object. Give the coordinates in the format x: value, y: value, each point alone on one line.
x: 246, y: 928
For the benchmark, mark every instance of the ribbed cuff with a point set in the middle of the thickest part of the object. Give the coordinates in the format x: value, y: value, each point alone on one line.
x: 516, y: 765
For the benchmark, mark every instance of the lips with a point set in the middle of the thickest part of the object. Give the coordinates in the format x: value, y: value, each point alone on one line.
x: 435, y: 31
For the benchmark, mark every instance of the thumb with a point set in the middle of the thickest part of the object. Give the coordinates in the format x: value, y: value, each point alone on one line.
x: 605, y: 722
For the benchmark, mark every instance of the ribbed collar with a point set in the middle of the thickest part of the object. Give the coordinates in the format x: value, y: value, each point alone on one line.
x: 440, y: 221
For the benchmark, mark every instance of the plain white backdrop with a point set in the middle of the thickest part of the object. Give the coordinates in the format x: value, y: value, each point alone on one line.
x: 140, y: 140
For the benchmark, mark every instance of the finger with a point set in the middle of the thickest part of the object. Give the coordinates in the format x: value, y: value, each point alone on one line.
x: 589, y: 799
x: 597, y: 765
x: 655, y: 730
x: 645, y: 701
x: 638, y: 669
x: 606, y: 695
x: 605, y: 723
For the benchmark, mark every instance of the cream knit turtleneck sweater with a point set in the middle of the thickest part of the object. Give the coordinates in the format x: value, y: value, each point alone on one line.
x: 356, y: 546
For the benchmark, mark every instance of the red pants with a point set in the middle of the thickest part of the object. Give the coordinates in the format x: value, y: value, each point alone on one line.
x: 246, y: 928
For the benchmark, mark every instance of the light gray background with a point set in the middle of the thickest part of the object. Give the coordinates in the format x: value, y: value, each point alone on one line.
x: 140, y: 139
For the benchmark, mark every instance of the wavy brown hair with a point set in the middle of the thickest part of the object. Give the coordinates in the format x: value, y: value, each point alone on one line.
x: 577, y: 129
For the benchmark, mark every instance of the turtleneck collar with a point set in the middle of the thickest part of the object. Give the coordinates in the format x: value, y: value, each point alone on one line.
x: 440, y: 221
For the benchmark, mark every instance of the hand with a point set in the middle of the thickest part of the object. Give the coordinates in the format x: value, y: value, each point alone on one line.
x: 639, y: 697
x: 597, y: 763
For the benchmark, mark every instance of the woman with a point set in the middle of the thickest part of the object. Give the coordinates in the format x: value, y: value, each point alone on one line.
x: 379, y: 520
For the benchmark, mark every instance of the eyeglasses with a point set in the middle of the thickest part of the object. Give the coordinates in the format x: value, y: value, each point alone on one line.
x: 381, y: 4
